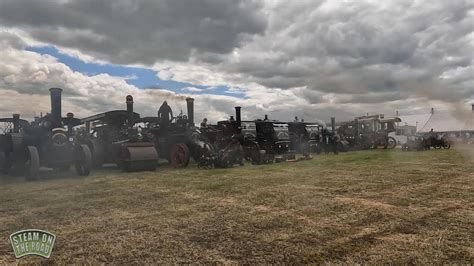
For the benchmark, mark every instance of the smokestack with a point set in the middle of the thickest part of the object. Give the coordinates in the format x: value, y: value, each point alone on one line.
x: 16, y: 123
x: 56, y: 106
x: 472, y: 105
x: 397, y: 113
x: 88, y: 127
x: 333, y: 124
x: 129, y: 101
x: 238, y: 117
x: 432, y: 111
x: 190, y: 105
x: 266, y: 118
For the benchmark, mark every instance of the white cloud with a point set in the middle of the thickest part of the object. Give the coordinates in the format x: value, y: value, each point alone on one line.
x: 307, y: 58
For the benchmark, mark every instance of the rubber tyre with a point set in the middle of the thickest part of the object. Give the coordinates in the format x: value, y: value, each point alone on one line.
x: 32, y: 163
x: 318, y: 149
x: 391, y: 143
x: 83, y: 160
x: 97, y: 153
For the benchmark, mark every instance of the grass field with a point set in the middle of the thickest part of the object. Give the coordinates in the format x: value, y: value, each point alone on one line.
x: 359, y: 207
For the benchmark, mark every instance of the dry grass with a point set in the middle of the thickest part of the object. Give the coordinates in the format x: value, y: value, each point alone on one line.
x: 361, y: 207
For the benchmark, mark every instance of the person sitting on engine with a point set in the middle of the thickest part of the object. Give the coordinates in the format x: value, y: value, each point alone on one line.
x: 204, y: 123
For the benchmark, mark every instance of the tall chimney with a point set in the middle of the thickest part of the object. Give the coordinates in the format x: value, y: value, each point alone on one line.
x: 266, y: 117
x: 129, y: 101
x: 88, y: 127
x: 472, y: 105
x: 333, y: 124
x: 432, y: 111
x: 190, y: 106
x: 238, y: 117
x: 16, y: 123
x: 56, y: 107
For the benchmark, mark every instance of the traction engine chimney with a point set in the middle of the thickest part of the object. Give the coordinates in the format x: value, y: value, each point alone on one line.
x: 129, y: 101
x: 16, y: 123
x: 190, y: 106
x: 238, y: 116
x: 56, y: 107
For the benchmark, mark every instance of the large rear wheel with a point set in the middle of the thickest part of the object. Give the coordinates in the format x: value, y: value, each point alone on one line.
x: 83, y: 160
x: 179, y: 155
x: 32, y: 163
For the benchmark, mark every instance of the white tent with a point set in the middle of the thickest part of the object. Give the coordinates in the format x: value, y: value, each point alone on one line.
x: 443, y: 121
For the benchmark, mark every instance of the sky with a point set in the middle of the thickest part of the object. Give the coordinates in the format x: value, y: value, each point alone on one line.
x: 308, y: 58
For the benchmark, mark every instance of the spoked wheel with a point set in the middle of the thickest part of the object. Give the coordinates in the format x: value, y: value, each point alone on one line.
x: 32, y: 163
x: 179, y: 155
x: 206, y: 157
x: 391, y: 143
x: 437, y: 146
x: 446, y: 146
x: 83, y: 160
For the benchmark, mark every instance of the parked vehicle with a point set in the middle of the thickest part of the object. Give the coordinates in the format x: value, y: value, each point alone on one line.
x: 47, y: 142
x: 368, y: 132
x: 113, y: 138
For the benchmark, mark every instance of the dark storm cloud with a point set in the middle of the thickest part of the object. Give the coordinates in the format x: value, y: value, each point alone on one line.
x: 361, y: 47
x: 363, y: 55
x: 137, y: 31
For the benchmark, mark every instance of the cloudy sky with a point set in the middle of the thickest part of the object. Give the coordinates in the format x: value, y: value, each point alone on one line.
x: 309, y: 58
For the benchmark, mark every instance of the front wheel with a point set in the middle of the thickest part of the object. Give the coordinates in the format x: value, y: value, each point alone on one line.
x: 446, y: 146
x: 318, y: 149
x: 32, y: 163
x: 391, y: 143
x: 83, y: 160
x: 5, y: 163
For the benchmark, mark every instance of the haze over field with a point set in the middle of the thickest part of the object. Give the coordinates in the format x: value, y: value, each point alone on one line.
x: 306, y: 58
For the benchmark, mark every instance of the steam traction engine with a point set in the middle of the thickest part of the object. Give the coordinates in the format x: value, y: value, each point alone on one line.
x: 225, y: 141
x: 262, y: 141
x: 369, y: 132
x: 43, y: 143
x: 175, y: 138
x: 305, y: 137
x: 273, y: 138
x: 113, y: 138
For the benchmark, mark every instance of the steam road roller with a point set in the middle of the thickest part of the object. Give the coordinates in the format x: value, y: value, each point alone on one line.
x: 45, y: 142
x: 113, y: 138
